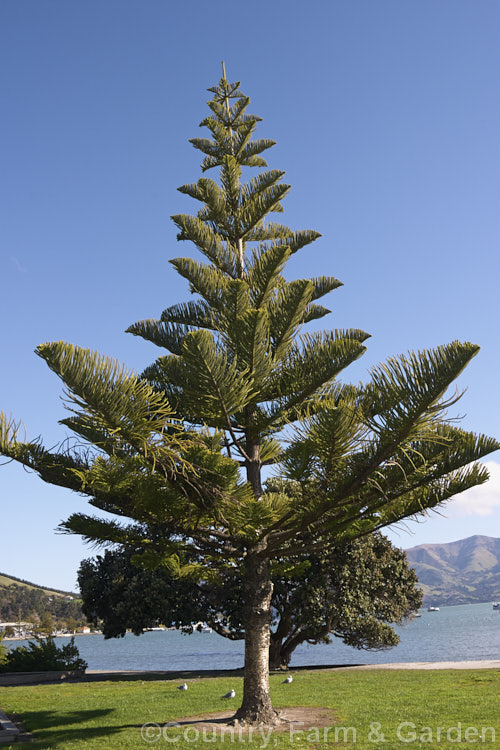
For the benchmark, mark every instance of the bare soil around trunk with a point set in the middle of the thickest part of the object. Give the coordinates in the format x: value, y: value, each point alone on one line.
x: 297, y: 717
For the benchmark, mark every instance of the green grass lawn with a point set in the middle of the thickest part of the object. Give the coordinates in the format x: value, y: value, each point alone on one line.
x: 368, y: 708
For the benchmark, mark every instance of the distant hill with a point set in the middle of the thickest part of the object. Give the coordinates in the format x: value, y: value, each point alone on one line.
x: 25, y: 601
x: 6, y: 580
x: 463, y: 572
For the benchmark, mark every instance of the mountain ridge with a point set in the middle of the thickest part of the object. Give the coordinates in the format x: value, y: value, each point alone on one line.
x: 466, y: 571
x: 9, y: 580
x: 24, y: 601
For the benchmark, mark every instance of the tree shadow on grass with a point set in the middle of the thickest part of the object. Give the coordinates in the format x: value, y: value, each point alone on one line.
x: 53, y: 728
x: 191, y: 674
x: 155, y: 676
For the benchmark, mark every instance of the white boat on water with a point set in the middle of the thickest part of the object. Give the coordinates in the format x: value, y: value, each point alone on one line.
x: 432, y: 609
x: 496, y: 605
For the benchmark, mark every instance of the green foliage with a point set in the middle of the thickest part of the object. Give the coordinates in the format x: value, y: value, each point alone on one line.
x: 177, y: 455
x: 3, y: 650
x: 119, y: 596
x: 43, y: 655
x: 353, y: 592
x: 27, y: 602
x: 355, y: 458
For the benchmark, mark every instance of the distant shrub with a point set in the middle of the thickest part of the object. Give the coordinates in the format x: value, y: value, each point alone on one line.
x: 43, y: 655
x: 3, y: 651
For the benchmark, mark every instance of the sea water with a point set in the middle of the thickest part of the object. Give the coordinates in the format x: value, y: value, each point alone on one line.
x: 460, y: 633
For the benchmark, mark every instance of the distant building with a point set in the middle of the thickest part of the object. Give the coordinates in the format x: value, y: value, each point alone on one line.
x: 21, y: 629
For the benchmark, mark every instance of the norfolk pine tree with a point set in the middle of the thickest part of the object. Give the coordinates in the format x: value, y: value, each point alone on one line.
x: 177, y: 455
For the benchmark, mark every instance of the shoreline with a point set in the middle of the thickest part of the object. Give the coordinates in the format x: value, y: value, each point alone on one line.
x: 466, y: 664
x: 105, y: 674
x: 57, y: 635
x: 12, y: 679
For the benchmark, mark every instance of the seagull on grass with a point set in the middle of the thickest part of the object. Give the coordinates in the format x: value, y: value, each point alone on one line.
x: 182, y: 687
x: 231, y: 694
x: 288, y: 680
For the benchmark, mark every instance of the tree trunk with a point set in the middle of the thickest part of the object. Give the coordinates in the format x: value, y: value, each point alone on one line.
x: 253, y: 467
x: 279, y: 658
x: 274, y: 654
x: 256, y: 707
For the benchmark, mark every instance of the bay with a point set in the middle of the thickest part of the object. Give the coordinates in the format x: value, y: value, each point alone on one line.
x: 459, y: 633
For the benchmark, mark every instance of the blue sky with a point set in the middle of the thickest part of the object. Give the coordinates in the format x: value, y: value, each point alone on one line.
x: 386, y: 116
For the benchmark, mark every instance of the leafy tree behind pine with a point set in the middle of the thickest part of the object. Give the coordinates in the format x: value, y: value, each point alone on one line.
x: 178, y: 458
x: 353, y: 592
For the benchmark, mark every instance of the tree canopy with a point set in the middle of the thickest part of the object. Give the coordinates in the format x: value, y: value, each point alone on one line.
x: 176, y: 456
x: 353, y: 592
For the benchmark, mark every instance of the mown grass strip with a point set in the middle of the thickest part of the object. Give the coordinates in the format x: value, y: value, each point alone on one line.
x: 389, y: 709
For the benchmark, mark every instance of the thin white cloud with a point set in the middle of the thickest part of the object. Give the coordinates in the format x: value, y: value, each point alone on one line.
x: 483, y: 500
x: 19, y: 264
